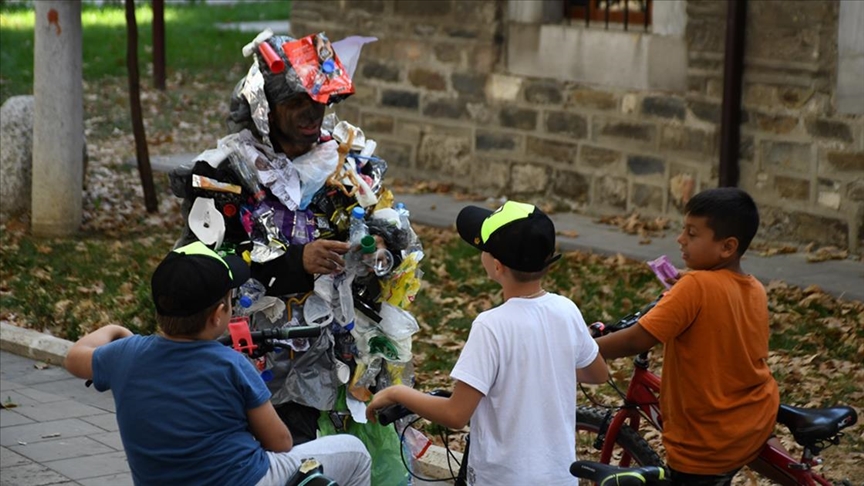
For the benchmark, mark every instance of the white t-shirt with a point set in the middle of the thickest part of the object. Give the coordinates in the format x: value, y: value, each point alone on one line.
x: 523, y: 356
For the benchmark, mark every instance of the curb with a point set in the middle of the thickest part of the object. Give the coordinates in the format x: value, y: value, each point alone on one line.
x: 33, y: 344
x: 49, y: 349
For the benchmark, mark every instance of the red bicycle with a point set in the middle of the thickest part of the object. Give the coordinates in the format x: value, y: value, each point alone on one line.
x: 613, y: 432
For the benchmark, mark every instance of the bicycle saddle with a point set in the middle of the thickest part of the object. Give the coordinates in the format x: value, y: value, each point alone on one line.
x: 809, y: 425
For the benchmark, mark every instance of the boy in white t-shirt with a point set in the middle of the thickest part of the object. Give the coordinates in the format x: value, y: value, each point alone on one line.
x: 516, y: 376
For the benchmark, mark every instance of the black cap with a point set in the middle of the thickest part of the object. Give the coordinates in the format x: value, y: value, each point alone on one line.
x: 519, y: 235
x: 192, y: 278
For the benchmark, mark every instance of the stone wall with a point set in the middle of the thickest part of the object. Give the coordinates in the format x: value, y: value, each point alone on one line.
x: 435, y: 92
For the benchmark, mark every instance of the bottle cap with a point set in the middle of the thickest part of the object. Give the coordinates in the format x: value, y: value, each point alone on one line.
x: 349, y: 326
x: 367, y: 244
x: 358, y: 212
x: 328, y: 66
x: 245, y: 301
x: 399, y: 205
x: 267, y: 375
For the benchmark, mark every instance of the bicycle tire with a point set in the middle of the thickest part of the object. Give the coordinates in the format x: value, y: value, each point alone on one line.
x: 588, y: 422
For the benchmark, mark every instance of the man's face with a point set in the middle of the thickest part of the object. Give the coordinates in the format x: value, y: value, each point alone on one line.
x: 297, y: 121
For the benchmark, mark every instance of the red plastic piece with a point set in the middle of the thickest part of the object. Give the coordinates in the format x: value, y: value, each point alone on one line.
x: 241, y: 337
x: 274, y: 62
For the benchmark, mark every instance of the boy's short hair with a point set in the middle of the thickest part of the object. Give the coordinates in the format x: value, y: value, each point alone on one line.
x: 193, y: 278
x: 729, y: 211
x: 519, y: 235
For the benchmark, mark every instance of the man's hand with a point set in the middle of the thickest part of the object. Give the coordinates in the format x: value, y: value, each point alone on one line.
x: 324, y: 256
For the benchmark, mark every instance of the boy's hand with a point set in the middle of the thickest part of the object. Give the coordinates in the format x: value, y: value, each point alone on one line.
x: 381, y: 399
x: 79, y: 359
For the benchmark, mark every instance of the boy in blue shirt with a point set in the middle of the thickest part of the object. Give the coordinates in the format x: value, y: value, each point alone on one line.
x: 191, y: 410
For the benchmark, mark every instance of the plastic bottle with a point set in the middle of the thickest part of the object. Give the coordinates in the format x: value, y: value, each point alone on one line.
x: 376, y: 260
x: 249, y: 293
x: 357, y: 228
x: 248, y: 177
x: 413, y: 243
x: 403, y: 213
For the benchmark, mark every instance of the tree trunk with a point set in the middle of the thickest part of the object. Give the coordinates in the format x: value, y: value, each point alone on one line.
x: 159, y: 44
x: 141, y: 154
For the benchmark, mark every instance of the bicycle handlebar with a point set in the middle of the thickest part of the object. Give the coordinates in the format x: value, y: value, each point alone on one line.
x: 620, y: 476
x: 257, y: 337
x: 392, y: 413
x: 598, y: 329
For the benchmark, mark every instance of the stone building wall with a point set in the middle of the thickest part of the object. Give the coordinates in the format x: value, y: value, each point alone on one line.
x: 436, y: 93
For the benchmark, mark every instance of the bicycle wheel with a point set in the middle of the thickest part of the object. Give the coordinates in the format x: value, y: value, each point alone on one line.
x: 629, y: 445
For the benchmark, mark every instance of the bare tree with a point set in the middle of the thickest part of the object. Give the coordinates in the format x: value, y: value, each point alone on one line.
x: 141, y: 154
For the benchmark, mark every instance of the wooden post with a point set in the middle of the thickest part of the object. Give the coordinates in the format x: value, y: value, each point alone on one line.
x: 141, y: 154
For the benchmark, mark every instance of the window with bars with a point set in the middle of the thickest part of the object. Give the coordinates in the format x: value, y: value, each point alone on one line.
x: 630, y: 13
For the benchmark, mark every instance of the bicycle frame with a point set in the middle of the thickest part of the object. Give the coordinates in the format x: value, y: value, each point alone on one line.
x: 641, y: 400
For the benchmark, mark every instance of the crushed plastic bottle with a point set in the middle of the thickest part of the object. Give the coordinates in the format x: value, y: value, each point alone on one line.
x: 249, y: 293
x: 377, y: 260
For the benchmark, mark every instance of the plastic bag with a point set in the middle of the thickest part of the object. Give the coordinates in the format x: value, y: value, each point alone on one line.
x: 314, y: 168
x: 381, y: 441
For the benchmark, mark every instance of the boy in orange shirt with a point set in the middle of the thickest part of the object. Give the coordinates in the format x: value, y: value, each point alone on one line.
x: 718, y: 398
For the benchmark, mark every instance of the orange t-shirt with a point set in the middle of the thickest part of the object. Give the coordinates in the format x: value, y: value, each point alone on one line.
x: 718, y: 398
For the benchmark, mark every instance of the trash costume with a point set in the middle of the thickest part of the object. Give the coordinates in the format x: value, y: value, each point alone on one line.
x: 247, y: 197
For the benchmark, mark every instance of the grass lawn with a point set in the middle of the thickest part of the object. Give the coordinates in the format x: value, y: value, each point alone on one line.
x: 193, y: 43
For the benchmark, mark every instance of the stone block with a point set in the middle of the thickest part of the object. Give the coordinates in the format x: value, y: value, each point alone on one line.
x: 783, y: 223
x: 479, y: 12
x: 396, y: 154
x: 772, y: 122
x: 482, y: 57
x: 504, y: 88
x: 645, y: 197
x: 16, y: 155
x: 597, y: 157
x: 759, y: 95
x: 377, y: 70
x: 448, y: 53
x: 611, y: 191
x: 594, y: 99
x: 570, y: 124
x: 846, y: 161
x: 664, y: 107
x: 427, y: 78
x: 792, y: 188
x: 400, y: 99
x: 490, y: 175
x: 364, y: 94
x: 687, y: 140
x: 555, y: 150
x: 445, y: 108
x: 784, y: 44
x: 572, y: 186
x: 519, y: 118
x: 682, y: 187
x: 617, y: 131
x: 486, y: 141
x: 529, y: 178
x: 422, y: 8
x: 830, y: 129
x: 471, y: 86
x: 787, y: 156
x: 444, y: 153
x: 371, y: 6
x: 829, y: 194
x: 794, y: 97
x: 747, y: 147
x: 374, y: 123
x: 855, y: 191
x: 645, y: 166
x: 705, y: 110
x: 542, y: 92
x: 706, y: 35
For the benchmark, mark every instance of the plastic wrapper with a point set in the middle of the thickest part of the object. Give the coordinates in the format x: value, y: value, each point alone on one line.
x: 663, y: 269
x: 404, y: 282
x: 314, y: 168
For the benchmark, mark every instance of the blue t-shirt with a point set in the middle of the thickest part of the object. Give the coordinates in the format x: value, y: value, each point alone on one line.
x: 181, y: 408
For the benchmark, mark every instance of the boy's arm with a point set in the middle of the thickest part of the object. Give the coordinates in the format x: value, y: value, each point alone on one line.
x: 79, y: 359
x: 268, y: 428
x: 452, y: 412
x: 594, y: 373
x: 628, y: 342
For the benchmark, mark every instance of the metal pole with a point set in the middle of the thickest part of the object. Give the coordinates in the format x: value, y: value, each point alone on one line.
x: 733, y: 68
x: 159, y: 44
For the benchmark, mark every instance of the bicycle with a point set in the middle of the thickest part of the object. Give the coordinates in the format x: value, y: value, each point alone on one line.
x: 814, y: 429
x: 605, y: 474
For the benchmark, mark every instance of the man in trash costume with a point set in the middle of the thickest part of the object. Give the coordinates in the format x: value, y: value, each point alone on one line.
x: 281, y: 191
